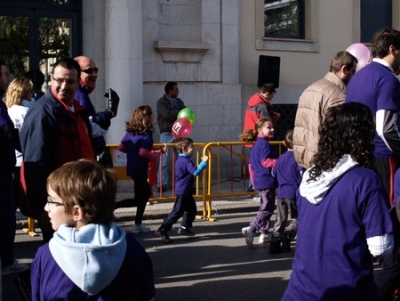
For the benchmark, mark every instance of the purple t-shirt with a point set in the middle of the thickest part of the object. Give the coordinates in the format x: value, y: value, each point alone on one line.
x: 376, y: 87
x: 137, y: 166
x: 288, y: 174
x: 332, y: 260
x: 262, y: 177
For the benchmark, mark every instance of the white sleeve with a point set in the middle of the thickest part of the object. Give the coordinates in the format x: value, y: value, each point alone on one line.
x: 381, y: 246
x: 96, y: 129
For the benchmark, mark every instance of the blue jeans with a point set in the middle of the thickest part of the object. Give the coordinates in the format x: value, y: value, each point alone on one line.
x: 165, y: 137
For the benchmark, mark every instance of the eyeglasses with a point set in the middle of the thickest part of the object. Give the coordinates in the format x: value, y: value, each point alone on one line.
x: 51, y: 202
x: 91, y: 70
x: 69, y: 82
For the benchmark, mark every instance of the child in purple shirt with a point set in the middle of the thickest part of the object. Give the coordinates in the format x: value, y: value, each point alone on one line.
x: 288, y: 174
x: 343, y: 214
x: 261, y: 164
x: 137, y: 143
x: 185, y: 205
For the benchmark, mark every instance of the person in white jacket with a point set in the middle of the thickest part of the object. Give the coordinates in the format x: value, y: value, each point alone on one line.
x: 18, y: 101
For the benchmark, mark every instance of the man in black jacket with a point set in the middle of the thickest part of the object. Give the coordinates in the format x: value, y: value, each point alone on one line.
x: 168, y: 108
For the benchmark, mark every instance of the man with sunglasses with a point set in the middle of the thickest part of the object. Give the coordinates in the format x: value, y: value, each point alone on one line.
x: 87, y: 84
x: 56, y: 130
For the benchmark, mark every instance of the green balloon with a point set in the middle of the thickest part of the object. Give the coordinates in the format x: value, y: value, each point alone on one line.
x: 188, y: 114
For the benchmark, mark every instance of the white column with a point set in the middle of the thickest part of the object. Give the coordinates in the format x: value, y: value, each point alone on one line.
x: 123, y: 60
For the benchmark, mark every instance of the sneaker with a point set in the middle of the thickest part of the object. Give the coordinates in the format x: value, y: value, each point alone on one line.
x: 263, y: 238
x: 15, y: 267
x: 185, y: 231
x: 142, y: 228
x: 164, y: 236
x: 248, y: 236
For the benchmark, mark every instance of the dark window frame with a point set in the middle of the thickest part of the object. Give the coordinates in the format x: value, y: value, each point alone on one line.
x: 35, y: 11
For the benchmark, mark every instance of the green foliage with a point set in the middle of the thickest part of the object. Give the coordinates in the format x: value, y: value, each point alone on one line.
x: 54, y: 41
x: 14, y: 41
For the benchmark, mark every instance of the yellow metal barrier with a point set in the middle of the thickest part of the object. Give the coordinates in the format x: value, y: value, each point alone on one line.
x: 212, y: 176
x: 119, y: 161
x: 208, y: 193
x: 31, y: 227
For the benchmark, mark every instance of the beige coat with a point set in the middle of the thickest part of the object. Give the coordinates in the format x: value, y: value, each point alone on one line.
x: 313, y: 104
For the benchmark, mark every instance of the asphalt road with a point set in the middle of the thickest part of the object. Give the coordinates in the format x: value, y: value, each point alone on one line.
x: 213, y: 265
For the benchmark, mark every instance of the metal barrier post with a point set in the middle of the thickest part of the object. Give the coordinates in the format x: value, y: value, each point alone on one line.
x: 31, y: 227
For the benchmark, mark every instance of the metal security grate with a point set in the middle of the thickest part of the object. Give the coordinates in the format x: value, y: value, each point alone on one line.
x: 286, y: 122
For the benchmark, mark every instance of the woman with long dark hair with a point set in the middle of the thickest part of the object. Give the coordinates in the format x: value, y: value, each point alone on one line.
x: 342, y: 212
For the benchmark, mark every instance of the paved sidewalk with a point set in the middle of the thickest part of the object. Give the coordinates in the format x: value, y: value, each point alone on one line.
x: 160, y: 209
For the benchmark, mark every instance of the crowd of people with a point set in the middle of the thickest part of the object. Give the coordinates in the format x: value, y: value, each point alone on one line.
x: 338, y: 179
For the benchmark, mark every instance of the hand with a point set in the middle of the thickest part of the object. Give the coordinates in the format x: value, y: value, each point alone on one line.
x: 204, y: 158
x: 113, y: 101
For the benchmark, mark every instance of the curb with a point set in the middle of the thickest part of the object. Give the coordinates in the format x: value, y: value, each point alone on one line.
x: 128, y: 215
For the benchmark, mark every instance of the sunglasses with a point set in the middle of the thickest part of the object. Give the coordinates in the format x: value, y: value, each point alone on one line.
x: 91, y: 70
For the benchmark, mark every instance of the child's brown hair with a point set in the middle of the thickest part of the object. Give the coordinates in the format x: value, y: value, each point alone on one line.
x: 183, y: 143
x: 251, y: 135
x: 89, y: 185
x: 288, y: 141
x: 141, y: 120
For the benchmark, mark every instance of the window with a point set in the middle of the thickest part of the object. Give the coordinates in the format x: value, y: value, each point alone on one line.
x: 35, y: 33
x: 378, y: 11
x: 284, y: 18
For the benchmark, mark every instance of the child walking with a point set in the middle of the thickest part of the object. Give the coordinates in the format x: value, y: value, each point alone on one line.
x: 137, y: 144
x: 185, y: 205
x: 288, y: 174
x: 261, y: 164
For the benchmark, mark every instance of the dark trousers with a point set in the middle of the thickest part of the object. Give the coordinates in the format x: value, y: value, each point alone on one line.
x: 388, y: 279
x: 263, y: 217
x: 283, y: 206
x: 185, y: 207
x: 142, y: 195
x: 386, y: 168
x: 7, y: 219
x: 16, y: 185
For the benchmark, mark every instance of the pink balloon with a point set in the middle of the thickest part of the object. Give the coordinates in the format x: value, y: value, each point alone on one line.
x: 181, y: 128
x: 362, y: 53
